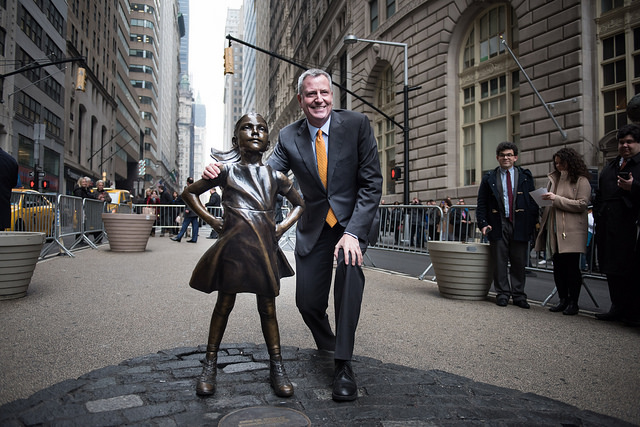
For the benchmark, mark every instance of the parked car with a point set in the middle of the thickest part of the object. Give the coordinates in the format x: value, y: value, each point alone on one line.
x: 31, y: 211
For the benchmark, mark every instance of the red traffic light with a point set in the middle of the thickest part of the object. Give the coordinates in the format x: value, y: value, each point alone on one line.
x: 396, y: 173
x: 32, y: 184
x: 45, y: 184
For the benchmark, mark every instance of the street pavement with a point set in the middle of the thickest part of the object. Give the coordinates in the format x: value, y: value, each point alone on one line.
x: 109, y: 338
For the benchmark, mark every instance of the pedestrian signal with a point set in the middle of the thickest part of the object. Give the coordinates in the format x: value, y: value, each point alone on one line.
x: 228, y: 60
x: 81, y: 79
x: 32, y: 184
x: 396, y: 173
x: 45, y: 185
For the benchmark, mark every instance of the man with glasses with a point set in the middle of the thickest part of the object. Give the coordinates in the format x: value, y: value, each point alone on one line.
x: 617, y: 214
x: 507, y: 215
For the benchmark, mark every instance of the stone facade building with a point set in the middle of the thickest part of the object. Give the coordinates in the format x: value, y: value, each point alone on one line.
x: 467, y: 91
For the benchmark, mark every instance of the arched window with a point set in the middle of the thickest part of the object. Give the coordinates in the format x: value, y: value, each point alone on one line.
x: 384, y: 128
x: 489, y: 92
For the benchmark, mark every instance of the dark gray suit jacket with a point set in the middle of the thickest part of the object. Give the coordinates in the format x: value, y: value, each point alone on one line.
x: 354, y: 180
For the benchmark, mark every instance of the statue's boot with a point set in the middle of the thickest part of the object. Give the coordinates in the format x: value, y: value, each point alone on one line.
x: 279, y: 380
x: 207, y: 382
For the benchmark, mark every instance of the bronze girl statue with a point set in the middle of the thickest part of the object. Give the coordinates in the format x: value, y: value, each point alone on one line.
x: 246, y: 257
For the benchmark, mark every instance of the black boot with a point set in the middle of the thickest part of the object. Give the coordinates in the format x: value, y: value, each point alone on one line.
x: 207, y: 382
x: 564, y: 302
x: 571, y: 309
x: 279, y: 380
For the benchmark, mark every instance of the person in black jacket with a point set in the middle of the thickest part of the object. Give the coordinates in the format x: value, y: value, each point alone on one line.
x: 507, y: 216
x: 617, y: 214
x: 189, y: 217
x: 82, y: 188
x: 214, y: 202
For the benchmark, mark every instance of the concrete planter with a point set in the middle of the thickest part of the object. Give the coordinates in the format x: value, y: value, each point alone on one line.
x: 128, y: 232
x: 19, y: 253
x: 463, y: 270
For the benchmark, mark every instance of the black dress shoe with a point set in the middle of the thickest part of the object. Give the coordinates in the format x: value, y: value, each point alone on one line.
x: 176, y: 239
x: 564, y: 302
x: 191, y: 241
x: 344, y: 382
x: 522, y: 303
x: 502, y: 301
x: 571, y: 309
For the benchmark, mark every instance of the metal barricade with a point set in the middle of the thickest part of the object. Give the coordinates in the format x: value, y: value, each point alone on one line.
x: 68, y: 222
x: 92, y: 221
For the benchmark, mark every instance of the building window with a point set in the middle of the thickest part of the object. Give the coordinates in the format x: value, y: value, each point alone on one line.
x: 52, y: 88
x: 25, y: 151
x: 374, y: 15
x: 53, y: 123
x: 490, y: 109
x: 391, y: 8
x: 608, y: 5
x: 3, y: 35
x: 384, y: 127
x: 27, y: 107
x: 29, y: 26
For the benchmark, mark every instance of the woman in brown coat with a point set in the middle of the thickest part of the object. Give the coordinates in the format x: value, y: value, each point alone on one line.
x: 563, y: 230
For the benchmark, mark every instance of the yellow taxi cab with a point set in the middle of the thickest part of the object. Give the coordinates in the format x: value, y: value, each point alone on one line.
x: 31, y: 211
x: 119, y: 198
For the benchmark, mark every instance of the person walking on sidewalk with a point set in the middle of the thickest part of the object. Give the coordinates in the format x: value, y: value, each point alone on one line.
x: 246, y: 257
x: 188, y: 217
x: 563, y: 228
x: 617, y: 216
x: 507, y: 216
x: 334, y: 157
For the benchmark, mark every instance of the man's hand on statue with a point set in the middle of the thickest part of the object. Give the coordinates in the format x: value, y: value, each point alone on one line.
x: 211, y: 171
x: 351, y: 247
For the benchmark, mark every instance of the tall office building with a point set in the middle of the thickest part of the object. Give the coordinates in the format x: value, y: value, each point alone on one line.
x: 36, y: 96
x: 233, y: 82
x: 185, y: 132
x: 249, y: 57
x: 184, y: 39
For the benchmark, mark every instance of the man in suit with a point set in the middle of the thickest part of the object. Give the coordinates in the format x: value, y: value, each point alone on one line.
x: 617, y: 218
x: 340, y: 216
x: 507, y: 216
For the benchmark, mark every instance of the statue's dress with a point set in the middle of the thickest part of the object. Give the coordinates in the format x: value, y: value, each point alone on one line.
x: 246, y: 257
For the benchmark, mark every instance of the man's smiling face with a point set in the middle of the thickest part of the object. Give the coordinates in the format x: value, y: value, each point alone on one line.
x: 316, y: 99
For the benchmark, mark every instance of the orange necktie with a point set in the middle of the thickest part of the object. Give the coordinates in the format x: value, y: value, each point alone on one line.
x: 321, y: 155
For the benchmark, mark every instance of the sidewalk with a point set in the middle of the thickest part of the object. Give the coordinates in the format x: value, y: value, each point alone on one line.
x: 112, y: 339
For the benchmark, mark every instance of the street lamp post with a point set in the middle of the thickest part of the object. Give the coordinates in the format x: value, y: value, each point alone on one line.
x: 351, y: 39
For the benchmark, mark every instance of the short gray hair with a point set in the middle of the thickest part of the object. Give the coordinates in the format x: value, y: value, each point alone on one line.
x: 313, y: 72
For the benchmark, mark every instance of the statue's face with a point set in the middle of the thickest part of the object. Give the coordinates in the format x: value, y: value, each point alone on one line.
x: 252, y: 134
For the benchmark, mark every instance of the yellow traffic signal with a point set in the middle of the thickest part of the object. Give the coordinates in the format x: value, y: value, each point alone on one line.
x: 81, y: 79
x: 228, y: 60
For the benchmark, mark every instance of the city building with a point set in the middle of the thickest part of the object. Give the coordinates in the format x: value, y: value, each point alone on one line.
x: 465, y: 89
x: 233, y: 82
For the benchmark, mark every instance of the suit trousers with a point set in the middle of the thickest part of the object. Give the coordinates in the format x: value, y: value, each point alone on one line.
x: 313, y: 284
x: 505, y: 251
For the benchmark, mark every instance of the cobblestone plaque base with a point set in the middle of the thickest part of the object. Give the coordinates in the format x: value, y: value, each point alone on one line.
x: 265, y: 416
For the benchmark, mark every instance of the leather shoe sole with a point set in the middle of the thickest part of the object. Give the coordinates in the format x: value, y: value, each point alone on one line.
x: 191, y: 241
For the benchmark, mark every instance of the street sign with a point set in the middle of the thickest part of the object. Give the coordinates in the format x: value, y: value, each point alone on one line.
x: 31, y: 173
x: 41, y: 174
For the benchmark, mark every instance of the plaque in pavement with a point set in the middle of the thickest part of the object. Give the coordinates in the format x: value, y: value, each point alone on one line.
x: 265, y: 416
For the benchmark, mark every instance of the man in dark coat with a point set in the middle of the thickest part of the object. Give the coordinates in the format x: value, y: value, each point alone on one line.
x: 214, y: 202
x: 8, y: 180
x: 507, y: 215
x: 165, y: 212
x: 617, y: 214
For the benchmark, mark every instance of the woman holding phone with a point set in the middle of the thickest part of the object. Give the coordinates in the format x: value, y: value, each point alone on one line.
x: 563, y: 228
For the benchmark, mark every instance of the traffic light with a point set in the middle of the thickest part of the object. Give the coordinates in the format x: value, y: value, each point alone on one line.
x: 142, y: 167
x: 81, y: 79
x: 228, y: 60
x: 32, y: 185
x: 396, y: 173
x: 45, y: 185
